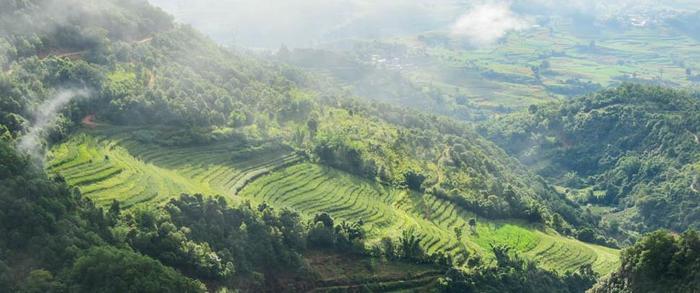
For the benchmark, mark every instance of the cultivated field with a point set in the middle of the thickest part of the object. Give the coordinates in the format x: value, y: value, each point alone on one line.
x: 310, y: 189
x: 502, y: 74
x: 108, y: 163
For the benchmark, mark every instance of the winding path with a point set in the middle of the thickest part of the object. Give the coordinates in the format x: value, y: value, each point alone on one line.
x: 75, y: 54
x: 79, y: 53
x: 89, y: 121
x: 144, y: 40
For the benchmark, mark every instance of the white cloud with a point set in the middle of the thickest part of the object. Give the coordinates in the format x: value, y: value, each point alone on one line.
x: 486, y: 23
x: 45, y: 116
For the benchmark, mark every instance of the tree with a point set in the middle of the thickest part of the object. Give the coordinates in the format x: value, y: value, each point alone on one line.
x: 586, y: 235
x: 108, y: 269
x: 414, y: 180
x: 557, y: 222
x: 659, y: 262
x: 321, y: 236
x: 40, y: 281
x: 292, y: 229
x: 388, y: 247
x: 472, y: 225
x: 324, y: 218
x: 312, y: 124
x: 532, y: 109
x: 114, y: 211
x: 409, y: 246
x: 502, y: 254
x: 458, y: 233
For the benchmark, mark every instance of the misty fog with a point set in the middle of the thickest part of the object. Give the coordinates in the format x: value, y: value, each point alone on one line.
x: 43, y: 119
x: 306, y: 23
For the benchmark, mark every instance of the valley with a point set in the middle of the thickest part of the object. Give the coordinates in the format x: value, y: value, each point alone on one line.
x: 409, y: 146
x: 555, y: 60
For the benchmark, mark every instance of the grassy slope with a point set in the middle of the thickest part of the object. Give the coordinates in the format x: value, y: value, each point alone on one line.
x: 135, y: 172
x: 105, y: 165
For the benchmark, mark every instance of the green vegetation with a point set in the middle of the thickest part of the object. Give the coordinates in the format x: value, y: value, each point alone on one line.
x: 162, y: 81
x: 58, y: 241
x: 386, y: 212
x: 114, y: 270
x: 452, y: 161
x: 659, y: 262
x: 512, y: 274
x: 308, y: 188
x: 112, y: 163
x: 208, y: 240
x: 633, y: 148
x: 54, y: 240
x: 342, y: 272
x: 440, y: 73
x: 188, y: 167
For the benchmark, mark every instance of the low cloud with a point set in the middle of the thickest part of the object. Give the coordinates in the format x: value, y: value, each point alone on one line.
x: 306, y: 23
x: 43, y: 119
x: 486, y: 23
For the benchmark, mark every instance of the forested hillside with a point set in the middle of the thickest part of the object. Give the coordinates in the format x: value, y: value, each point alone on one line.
x: 177, y: 77
x: 52, y: 239
x: 131, y: 143
x: 56, y: 240
x: 633, y: 151
x: 659, y: 262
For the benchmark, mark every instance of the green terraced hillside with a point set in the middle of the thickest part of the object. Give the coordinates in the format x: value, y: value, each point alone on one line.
x: 109, y: 163
x: 310, y: 189
x: 105, y: 165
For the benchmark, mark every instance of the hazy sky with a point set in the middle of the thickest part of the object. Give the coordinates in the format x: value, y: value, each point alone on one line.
x: 303, y: 23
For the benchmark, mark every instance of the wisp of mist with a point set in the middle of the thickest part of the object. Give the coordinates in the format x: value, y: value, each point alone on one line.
x: 43, y: 118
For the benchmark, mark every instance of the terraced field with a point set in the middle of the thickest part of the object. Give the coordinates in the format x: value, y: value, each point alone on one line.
x: 310, y: 189
x: 108, y: 163
x: 342, y: 273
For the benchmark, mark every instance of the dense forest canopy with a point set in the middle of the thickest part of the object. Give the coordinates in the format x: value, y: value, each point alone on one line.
x: 633, y: 148
x: 659, y: 262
